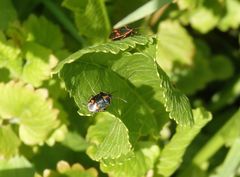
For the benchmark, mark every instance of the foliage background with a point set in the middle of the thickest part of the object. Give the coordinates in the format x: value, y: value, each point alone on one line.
x: 55, y: 54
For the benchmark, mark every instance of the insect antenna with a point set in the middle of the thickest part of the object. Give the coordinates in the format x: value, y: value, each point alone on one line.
x: 125, y: 101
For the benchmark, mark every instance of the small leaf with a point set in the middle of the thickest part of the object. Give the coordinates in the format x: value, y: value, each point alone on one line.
x: 39, y: 62
x: 232, y: 17
x: 170, y: 48
x: 75, y: 142
x: 171, y: 155
x: 30, y: 109
x: 9, y: 142
x: 222, y: 67
x: 109, y: 138
x: 91, y: 18
x: 211, y: 13
x: 43, y: 32
x: 10, y: 56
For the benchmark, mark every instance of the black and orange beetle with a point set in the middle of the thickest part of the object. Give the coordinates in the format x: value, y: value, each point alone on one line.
x: 99, y: 102
x: 121, y: 33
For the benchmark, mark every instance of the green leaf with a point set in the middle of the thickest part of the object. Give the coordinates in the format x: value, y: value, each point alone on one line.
x: 63, y: 19
x: 75, y: 142
x: 171, y: 155
x: 137, y: 166
x: 170, y: 48
x: 16, y: 166
x: 42, y: 31
x: 143, y: 11
x: 7, y: 14
x: 210, y: 20
x: 231, y: 162
x: 187, y: 4
x: 176, y: 103
x: 9, y: 142
x: 4, y: 77
x: 90, y: 71
x: 57, y: 135
x: 222, y: 67
x: 39, y: 63
x: 109, y: 138
x: 232, y: 17
x: 91, y: 18
x: 30, y: 109
x: 10, y: 56
x: 110, y: 47
x: 195, y: 77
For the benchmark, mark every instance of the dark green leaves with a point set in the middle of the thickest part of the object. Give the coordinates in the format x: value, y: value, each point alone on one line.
x: 91, y: 18
x: 7, y: 14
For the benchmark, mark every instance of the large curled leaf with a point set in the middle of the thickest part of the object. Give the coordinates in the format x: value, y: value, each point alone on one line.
x: 108, y: 67
x: 172, y: 154
x: 109, y: 138
x: 133, y: 77
x: 137, y: 166
x: 30, y: 109
x: 92, y: 73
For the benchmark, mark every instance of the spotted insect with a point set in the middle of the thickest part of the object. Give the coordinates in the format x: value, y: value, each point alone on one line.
x: 99, y: 102
x: 121, y: 33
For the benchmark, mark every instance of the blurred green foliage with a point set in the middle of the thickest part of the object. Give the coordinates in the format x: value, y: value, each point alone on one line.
x: 175, y: 88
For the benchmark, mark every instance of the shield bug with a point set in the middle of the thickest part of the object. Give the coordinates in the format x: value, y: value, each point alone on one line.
x: 99, y: 102
x: 121, y: 33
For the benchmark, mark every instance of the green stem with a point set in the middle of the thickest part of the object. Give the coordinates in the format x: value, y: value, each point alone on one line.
x: 63, y: 19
